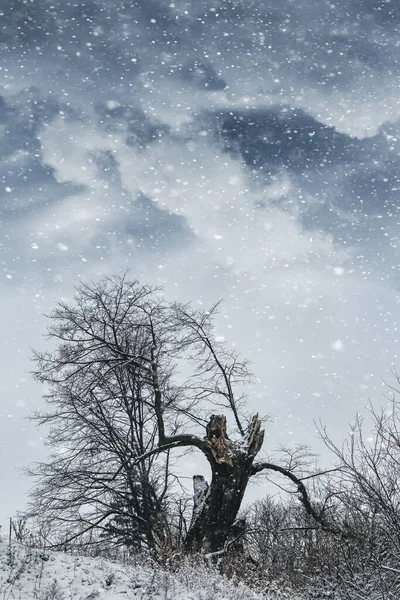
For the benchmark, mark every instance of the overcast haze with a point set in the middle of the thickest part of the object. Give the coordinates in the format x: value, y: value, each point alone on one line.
x: 242, y: 149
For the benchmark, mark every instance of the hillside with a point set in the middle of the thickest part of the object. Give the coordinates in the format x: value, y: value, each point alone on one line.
x: 30, y: 574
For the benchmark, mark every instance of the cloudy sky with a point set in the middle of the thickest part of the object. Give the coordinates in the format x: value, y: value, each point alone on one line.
x: 236, y: 149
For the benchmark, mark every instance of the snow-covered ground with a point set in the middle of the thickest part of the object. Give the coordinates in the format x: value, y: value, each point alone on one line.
x: 27, y: 573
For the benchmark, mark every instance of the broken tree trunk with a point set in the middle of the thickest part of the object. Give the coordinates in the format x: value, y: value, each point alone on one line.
x: 216, y: 505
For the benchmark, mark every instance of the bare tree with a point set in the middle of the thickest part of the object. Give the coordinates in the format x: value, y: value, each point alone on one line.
x: 132, y: 378
x: 365, y: 498
x: 101, y: 421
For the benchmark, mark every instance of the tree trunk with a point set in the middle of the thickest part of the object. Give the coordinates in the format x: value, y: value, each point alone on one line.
x: 216, y: 506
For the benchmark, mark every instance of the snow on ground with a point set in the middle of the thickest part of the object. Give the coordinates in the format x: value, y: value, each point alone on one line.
x: 31, y: 574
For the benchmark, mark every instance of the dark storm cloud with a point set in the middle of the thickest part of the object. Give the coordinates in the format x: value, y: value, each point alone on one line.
x: 344, y: 185
x: 316, y: 43
x: 4, y: 111
x: 364, y: 172
x: 284, y: 137
x: 384, y: 12
x: 26, y: 183
x: 328, y: 43
x: 201, y: 75
x: 207, y: 43
x: 140, y: 129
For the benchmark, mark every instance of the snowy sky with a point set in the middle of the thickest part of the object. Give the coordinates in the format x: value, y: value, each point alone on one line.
x: 236, y: 149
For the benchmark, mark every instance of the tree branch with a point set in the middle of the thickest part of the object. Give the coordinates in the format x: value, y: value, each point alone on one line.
x: 178, y: 441
x: 301, y: 489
